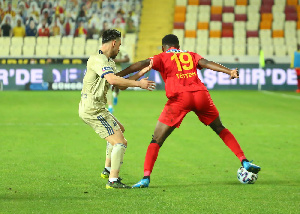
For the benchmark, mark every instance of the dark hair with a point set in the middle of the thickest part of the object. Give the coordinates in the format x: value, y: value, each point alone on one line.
x: 110, y: 34
x: 170, y: 40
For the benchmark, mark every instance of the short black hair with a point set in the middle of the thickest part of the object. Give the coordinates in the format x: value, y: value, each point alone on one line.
x: 170, y: 40
x: 110, y: 34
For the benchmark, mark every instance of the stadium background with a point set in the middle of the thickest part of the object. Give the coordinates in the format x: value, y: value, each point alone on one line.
x: 232, y: 32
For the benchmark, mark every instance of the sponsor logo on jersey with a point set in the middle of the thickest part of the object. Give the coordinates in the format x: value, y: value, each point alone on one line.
x: 107, y: 69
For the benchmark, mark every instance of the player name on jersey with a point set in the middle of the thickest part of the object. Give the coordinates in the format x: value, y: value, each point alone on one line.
x: 188, y: 75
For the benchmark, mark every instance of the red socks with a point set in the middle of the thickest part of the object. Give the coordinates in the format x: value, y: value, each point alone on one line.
x: 151, y: 156
x: 232, y: 143
x: 225, y: 135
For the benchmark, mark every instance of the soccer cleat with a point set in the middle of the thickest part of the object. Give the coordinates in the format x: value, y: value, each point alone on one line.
x: 117, y: 185
x: 142, y: 184
x: 105, y: 173
x: 249, y: 166
x: 115, y: 101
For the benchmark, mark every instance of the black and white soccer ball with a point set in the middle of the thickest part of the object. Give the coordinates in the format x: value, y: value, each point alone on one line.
x: 246, y: 177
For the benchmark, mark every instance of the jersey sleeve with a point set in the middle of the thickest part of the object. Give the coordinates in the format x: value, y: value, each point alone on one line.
x: 197, y: 58
x: 157, y: 63
x: 102, y: 67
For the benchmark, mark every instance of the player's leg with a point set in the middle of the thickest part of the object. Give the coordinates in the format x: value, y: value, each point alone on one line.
x: 170, y: 118
x: 230, y: 141
x: 227, y: 138
x: 107, y: 128
x: 106, y: 171
x: 161, y: 132
x: 209, y: 115
x: 119, y: 145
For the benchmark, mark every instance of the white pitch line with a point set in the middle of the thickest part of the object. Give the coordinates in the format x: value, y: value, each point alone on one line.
x: 280, y: 94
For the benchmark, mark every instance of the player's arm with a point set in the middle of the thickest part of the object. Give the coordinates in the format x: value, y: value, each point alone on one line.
x: 139, y: 74
x: 218, y: 67
x: 134, y: 67
x: 124, y: 83
x: 142, y: 72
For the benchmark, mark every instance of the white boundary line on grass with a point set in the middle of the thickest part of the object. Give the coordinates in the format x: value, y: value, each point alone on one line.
x: 280, y: 94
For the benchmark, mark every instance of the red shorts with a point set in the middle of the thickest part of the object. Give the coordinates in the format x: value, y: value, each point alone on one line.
x: 199, y: 102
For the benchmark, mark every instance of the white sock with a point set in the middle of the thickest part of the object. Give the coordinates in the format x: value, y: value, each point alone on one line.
x: 109, y: 148
x: 113, y: 179
x: 117, y: 155
x: 108, y: 168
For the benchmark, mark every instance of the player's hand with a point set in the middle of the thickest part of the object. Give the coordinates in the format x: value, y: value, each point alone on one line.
x: 146, y: 69
x: 234, y: 74
x: 147, y: 84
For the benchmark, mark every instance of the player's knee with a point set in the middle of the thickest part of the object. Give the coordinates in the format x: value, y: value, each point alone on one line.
x: 124, y: 142
x: 159, y: 142
x: 219, y: 129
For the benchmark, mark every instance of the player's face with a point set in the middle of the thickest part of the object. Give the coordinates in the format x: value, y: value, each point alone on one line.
x: 116, y: 48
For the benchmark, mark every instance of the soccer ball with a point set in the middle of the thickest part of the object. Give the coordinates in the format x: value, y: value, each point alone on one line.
x: 246, y: 177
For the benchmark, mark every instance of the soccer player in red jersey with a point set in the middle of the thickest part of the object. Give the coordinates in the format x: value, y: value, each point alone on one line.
x: 185, y: 93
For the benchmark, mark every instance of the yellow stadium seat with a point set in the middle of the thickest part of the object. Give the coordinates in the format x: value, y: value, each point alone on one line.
x: 42, y: 40
x: 180, y: 9
x: 292, y: 2
x: 216, y: 10
x: 265, y: 25
x: 179, y: 17
x: 4, y: 50
x: 202, y: 25
x: 215, y: 33
x: 29, y: 40
x: 193, y: 2
x: 191, y: 33
x: 266, y: 17
x: 54, y: 40
x: 242, y: 2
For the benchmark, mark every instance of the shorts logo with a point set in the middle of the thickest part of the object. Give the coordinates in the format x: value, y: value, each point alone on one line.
x: 107, y: 69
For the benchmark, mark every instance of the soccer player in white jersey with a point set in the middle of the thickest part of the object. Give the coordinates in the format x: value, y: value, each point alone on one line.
x: 99, y: 76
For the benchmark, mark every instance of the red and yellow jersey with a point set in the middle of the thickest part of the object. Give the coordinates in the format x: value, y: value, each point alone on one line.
x: 178, y: 69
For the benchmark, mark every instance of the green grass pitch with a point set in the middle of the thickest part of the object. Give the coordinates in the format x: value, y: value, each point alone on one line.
x: 51, y: 161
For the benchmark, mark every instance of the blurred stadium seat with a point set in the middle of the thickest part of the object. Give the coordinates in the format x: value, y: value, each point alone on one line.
x: 215, y: 27
x: 268, y: 25
x: 65, y: 38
